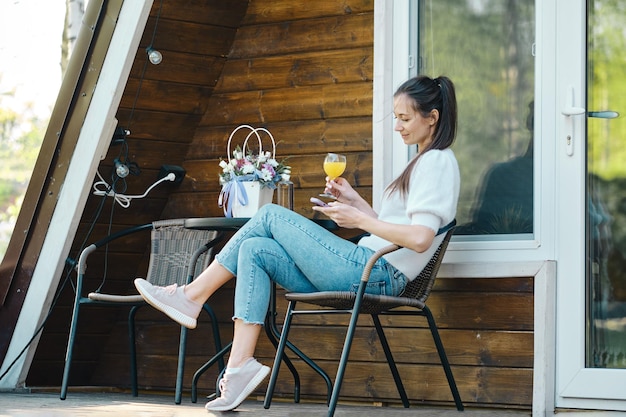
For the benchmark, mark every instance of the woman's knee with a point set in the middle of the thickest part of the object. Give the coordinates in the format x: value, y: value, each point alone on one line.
x: 253, y: 244
x: 269, y: 208
x: 274, y: 210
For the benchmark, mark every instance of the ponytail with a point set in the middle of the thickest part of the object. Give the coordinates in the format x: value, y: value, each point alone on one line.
x: 428, y: 94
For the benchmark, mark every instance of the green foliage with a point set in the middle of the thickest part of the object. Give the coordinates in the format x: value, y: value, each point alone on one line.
x: 607, y: 91
x: 21, y: 135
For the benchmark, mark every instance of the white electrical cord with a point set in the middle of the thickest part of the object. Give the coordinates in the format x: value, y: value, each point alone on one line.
x: 122, y: 199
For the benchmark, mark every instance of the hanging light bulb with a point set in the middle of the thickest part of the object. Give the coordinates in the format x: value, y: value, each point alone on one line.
x: 154, y: 56
x: 121, y: 169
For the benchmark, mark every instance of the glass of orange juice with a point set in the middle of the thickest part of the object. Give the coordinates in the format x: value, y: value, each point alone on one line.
x: 334, y: 166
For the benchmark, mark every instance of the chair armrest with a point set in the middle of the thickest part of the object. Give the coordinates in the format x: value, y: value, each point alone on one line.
x: 367, y: 270
x: 390, y: 248
x: 82, y: 260
x: 122, y: 233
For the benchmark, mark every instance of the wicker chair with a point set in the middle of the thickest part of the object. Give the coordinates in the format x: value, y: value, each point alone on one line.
x: 177, y: 255
x: 414, y: 295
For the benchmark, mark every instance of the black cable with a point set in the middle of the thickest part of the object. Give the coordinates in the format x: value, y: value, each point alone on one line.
x: 106, y: 251
x: 145, y: 65
x: 70, y: 265
x: 90, y: 231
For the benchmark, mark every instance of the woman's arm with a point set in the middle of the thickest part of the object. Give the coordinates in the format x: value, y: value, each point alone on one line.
x: 431, y: 201
x: 416, y: 237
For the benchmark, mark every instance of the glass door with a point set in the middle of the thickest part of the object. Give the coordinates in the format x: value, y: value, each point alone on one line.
x: 591, y: 305
x: 606, y: 186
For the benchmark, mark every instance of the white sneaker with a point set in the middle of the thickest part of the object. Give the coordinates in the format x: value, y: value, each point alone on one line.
x: 235, y: 388
x: 172, y: 301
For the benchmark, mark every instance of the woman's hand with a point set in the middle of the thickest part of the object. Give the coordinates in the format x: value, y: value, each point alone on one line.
x: 416, y: 237
x: 343, y: 214
x: 341, y: 189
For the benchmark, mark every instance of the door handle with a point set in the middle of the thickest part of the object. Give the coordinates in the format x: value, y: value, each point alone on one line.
x: 569, y: 110
x: 605, y: 114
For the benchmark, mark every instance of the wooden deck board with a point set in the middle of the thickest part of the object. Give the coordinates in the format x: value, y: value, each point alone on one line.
x: 98, y: 404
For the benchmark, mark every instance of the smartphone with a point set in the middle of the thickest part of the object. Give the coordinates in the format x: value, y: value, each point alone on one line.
x: 319, y: 202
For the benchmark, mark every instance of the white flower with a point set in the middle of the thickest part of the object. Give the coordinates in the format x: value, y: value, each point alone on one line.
x: 262, y: 167
x: 248, y: 169
x: 266, y: 175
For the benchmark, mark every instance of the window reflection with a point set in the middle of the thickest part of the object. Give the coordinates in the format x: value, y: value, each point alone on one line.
x: 606, y: 186
x: 486, y: 47
x: 505, y: 199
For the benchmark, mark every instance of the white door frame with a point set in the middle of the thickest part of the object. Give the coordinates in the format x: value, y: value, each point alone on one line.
x: 576, y: 385
x: 561, y: 379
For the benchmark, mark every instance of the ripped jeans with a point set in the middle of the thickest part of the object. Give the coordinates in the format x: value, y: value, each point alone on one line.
x: 299, y: 255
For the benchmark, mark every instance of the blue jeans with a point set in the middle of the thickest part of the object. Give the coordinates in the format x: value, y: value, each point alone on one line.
x: 299, y: 255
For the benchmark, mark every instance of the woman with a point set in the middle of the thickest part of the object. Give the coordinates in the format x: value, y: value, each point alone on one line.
x: 280, y: 245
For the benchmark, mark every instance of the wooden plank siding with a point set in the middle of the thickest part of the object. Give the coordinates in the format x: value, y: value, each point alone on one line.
x: 161, y: 106
x: 305, y: 72
x: 489, y: 342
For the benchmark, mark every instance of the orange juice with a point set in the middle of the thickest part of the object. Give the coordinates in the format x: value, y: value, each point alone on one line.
x: 334, y: 169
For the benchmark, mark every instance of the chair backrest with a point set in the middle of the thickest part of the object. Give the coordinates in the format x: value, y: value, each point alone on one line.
x: 420, y: 287
x: 172, y: 249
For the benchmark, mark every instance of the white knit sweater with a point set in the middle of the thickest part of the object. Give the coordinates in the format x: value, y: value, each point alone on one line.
x: 431, y: 202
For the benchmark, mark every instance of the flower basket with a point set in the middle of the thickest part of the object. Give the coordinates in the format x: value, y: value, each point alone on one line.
x: 248, y: 180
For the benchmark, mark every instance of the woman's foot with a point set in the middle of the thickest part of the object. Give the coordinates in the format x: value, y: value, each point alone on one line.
x: 235, y: 387
x: 172, y: 301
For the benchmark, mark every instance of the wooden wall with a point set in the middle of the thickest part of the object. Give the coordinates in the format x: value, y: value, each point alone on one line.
x: 486, y: 327
x: 305, y: 73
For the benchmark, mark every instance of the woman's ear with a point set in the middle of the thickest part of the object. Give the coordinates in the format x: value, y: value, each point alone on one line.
x: 434, y: 117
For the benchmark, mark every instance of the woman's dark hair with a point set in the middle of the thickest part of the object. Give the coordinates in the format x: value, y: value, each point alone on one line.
x: 427, y: 94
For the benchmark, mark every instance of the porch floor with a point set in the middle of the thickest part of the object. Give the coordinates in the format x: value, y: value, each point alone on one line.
x: 33, y: 403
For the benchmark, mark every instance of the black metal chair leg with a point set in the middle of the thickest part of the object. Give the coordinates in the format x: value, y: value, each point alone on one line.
x: 70, y: 345
x: 194, y: 382
x: 216, y: 333
x: 218, y: 357
x: 390, y: 360
x: 180, y: 372
x: 444, y: 359
x: 133, y: 351
x: 315, y: 367
x: 217, y: 384
x: 273, y: 335
x: 280, y: 352
x: 345, y: 353
x: 271, y: 332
